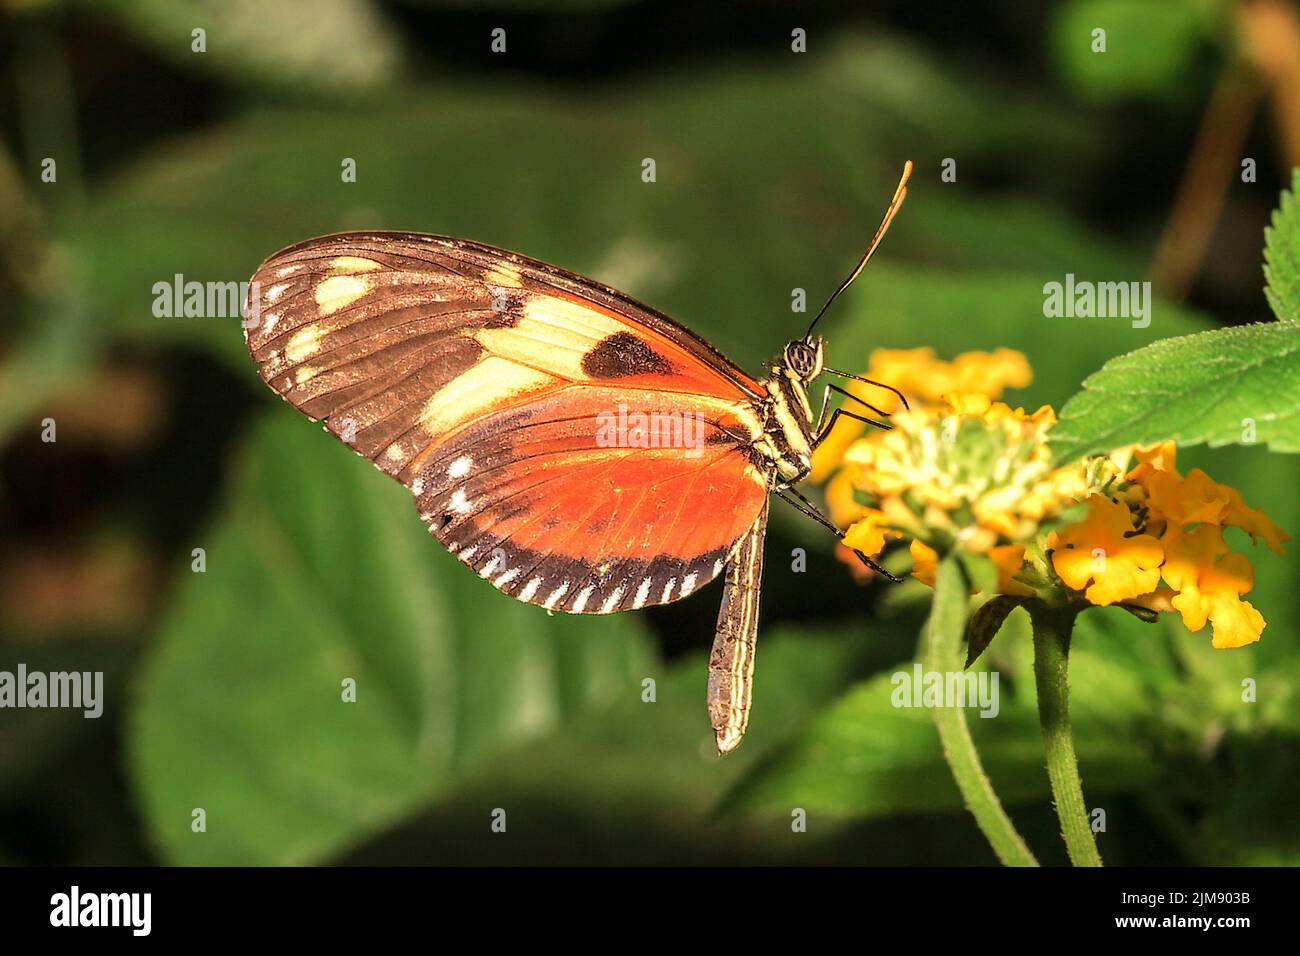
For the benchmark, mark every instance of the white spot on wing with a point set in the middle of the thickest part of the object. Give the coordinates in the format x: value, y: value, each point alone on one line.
x: 581, y: 601
x: 276, y: 291
x: 507, y: 577
x: 459, y: 503
x: 611, y: 601
x: 460, y: 467
x: 717, y: 567
x: 642, y: 593
x: 417, y: 487
x: 555, y: 595
x: 688, y: 584
x: 668, y: 590
x: 530, y: 589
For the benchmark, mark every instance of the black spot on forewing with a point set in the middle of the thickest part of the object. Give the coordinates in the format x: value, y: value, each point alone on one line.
x: 507, y: 308
x: 621, y: 355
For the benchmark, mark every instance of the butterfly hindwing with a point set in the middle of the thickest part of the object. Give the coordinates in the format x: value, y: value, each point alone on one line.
x: 513, y: 398
x: 550, y: 516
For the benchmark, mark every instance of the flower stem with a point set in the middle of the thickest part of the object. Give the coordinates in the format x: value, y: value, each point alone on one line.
x: 1052, y: 629
x: 943, y: 654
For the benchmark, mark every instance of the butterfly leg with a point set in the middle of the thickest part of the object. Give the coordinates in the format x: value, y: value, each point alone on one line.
x: 835, y: 416
x: 731, y: 663
x: 826, y: 404
x: 868, y: 381
x: 807, y: 508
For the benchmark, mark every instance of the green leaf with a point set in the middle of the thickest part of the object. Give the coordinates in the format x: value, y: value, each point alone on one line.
x: 319, y: 571
x: 1229, y: 386
x: 1282, y: 255
x: 985, y: 623
x: 603, y: 806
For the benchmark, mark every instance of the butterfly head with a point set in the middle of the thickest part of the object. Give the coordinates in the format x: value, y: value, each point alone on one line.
x: 803, y: 357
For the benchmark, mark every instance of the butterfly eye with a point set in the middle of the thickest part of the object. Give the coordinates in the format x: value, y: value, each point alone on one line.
x: 801, y: 359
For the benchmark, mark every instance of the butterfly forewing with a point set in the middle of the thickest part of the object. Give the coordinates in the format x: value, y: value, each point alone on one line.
x: 576, y: 448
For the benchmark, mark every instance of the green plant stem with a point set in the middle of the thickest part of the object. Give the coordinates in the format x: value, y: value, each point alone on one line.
x: 943, y: 654
x: 1052, y: 629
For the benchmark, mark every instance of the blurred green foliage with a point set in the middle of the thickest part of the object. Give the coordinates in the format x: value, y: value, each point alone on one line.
x: 316, y: 576
x: 772, y: 170
x: 339, y: 48
x: 1149, y: 46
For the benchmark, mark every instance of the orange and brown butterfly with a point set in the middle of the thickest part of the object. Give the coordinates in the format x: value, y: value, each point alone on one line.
x: 577, y: 449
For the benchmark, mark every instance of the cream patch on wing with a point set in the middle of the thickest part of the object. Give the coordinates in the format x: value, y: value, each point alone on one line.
x: 303, y: 344
x: 336, y: 292
x: 486, y: 386
x: 346, y: 265
x: 503, y: 274
x: 551, y: 334
x: 580, y: 319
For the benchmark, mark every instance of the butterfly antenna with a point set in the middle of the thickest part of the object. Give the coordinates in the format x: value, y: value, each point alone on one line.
x: 899, y: 195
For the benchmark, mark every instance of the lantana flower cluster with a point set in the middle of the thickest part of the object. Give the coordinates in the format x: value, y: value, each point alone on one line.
x: 961, y: 470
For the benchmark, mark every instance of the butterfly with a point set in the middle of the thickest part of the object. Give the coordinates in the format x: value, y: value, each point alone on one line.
x: 575, y: 448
